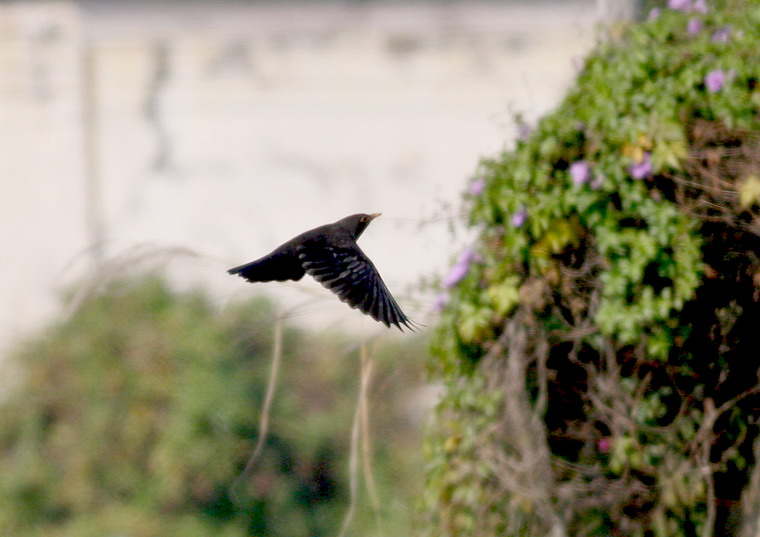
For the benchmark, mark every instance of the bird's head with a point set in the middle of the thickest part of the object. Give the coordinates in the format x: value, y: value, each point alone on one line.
x: 357, y: 223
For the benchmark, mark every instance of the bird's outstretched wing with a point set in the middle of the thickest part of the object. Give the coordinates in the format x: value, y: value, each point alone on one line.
x: 348, y: 272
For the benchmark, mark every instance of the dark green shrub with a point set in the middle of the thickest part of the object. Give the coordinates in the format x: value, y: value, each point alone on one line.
x: 135, y: 416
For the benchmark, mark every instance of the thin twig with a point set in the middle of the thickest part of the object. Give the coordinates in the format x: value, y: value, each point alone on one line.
x: 704, y: 458
x: 369, y: 479
x: 266, y: 410
x: 353, y: 463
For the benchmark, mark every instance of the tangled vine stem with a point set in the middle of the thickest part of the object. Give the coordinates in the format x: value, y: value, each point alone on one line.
x: 526, y: 469
x: 720, y: 159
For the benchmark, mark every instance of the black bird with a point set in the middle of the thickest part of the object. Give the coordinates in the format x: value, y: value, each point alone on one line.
x: 331, y: 256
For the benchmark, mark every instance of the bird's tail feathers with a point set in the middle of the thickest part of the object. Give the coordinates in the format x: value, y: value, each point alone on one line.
x: 270, y: 268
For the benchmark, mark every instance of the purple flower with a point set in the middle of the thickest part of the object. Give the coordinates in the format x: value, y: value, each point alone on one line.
x: 460, y: 268
x: 580, y: 172
x: 641, y: 169
x: 688, y: 6
x: 721, y: 35
x: 604, y: 444
x: 694, y: 26
x: 714, y: 80
x: 524, y: 131
x: 680, y: 5
x: 597, y: 183
x: 654, y: 13
x: 476, y: 187
x: 519, y: 218
x: 441, y: 300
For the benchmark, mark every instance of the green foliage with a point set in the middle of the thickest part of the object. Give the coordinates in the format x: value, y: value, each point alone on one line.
x: 135, y: 416
x: 625, y: 229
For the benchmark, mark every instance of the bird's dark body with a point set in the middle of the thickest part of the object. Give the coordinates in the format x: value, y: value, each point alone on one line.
x: 330, y: 254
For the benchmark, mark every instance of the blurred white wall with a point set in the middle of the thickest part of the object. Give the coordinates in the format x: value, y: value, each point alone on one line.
x: 227, y: 129
x: 42, y: 203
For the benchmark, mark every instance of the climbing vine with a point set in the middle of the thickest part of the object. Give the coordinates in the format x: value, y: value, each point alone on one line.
x: 598, y: 340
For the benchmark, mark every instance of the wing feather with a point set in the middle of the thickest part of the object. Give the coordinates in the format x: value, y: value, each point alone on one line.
x: 348, y: 273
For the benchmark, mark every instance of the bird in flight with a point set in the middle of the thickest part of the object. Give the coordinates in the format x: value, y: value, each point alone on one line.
x: 331, y: 256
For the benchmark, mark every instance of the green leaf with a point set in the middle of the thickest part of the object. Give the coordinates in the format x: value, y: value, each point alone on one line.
x: 473, y: 322
x: 749, y: 191
x: 669, y: 154
x: 504, y: 296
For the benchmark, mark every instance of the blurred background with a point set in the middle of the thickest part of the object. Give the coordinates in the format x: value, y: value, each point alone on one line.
x: 225, y: 128
x: 178, y: 139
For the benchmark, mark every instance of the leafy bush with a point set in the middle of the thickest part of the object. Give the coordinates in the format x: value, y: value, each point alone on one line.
x: 135, y: 416
x: 599, y: 340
